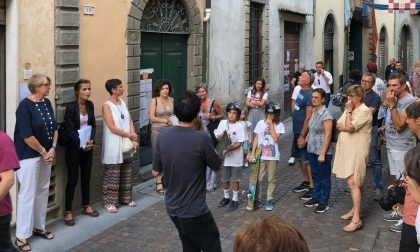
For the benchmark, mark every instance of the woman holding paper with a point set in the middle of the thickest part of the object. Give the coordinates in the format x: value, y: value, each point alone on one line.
x: 79, y: 134
x: 160, y: 114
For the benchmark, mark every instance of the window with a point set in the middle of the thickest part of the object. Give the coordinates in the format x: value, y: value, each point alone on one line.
x: 255, y: 42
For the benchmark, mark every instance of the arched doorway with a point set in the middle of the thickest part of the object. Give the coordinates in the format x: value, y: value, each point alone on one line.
x: 405, y: 52
x: 165, y: 32
x: 382, y: 53
x: 329, y: 44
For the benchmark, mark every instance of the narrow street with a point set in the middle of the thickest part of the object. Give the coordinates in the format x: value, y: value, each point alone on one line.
x: 148, y: 228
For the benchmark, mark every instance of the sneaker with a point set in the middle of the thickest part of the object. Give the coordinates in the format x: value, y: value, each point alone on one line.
x: 224, y: 202
x: 311, y: 203
x: 321, y: 208
x: 269, y: 205
x: 393, y: 216
x: 377, y: 194
x: 307, y: 195
x: 257, y: 204
x: 246, y: 163
x: 291, y: 161
x: 304, y: 186
x: 233, y: 205
x: 397, y: 227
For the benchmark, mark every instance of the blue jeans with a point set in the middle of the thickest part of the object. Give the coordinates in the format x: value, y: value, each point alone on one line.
x: 374, y: 162
x: 321, y: 175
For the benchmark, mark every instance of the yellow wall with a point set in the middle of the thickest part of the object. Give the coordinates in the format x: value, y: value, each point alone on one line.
x: 36, y: 38
x: 103, y: 46
x: 323, y: 9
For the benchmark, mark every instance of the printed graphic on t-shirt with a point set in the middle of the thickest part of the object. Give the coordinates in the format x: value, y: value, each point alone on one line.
x: 267, y: 145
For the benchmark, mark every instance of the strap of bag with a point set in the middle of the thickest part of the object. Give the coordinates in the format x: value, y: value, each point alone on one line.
x: 211, y: 106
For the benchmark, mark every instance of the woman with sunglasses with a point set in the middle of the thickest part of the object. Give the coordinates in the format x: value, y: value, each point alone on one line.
x: 79, y: 115
x: 352, y: 151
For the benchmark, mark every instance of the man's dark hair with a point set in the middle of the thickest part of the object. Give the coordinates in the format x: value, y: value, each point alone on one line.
x: 413, y: 111
x: 319, y: 62
x: 397, y: 76
x: 356, y: 76
x: 111, y: 84
x: 187, y: 106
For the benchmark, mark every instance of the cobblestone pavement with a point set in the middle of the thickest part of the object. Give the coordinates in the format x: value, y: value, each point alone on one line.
x: 152, y: 229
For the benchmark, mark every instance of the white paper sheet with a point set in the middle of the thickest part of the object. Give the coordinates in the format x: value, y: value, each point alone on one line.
x: 84, y: 135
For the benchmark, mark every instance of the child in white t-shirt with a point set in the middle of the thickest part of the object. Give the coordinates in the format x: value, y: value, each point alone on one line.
x: 267, y: 134
x: 246, y: 146
x: 231, y: 170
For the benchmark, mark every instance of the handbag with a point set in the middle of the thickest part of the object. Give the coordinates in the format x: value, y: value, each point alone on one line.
x: 128, y: 146
x: 213, y: 124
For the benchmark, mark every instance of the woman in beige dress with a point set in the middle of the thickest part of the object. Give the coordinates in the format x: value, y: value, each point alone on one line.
x: 352, y: 151
x: 160, y: 112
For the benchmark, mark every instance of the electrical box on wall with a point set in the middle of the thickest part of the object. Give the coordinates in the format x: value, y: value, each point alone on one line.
x: 89, y: 10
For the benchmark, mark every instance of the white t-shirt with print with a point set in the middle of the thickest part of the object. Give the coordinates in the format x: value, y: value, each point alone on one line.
x: 237, y: 135
x: 296, y: 92
x: 269, y: 149
x: 246, y: 125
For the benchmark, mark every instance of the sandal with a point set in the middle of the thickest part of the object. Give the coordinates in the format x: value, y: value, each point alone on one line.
x: 92, y: 213
x: 22, y: 245
x: 68, y: 222
x: 44, y: 234
x: 159, y: 188
x: 353, y: 226
x: 347, y: 216
x: 111, y: 208
x: 132, y: 204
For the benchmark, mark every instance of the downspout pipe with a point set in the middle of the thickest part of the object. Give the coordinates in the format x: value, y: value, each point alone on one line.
x: 206, y: 22
x: 207, y: 11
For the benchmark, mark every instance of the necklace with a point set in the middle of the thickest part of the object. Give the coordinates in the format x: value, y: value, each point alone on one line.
x: 116, y: 105
x: 50, y: 129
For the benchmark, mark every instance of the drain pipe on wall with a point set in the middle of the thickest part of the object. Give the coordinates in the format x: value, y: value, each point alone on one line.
x: 206, y: 23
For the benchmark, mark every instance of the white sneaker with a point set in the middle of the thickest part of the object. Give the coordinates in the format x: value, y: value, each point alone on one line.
x: 291, y: 161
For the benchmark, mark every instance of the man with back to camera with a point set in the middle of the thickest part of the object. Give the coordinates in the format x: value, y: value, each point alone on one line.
x: 182, y: 155
x: 323, y: 79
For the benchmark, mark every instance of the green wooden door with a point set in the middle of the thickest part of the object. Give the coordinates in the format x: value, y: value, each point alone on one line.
x: 167, y: 55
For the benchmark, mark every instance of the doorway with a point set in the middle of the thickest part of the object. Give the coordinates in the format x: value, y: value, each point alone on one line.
x: 167, y: 54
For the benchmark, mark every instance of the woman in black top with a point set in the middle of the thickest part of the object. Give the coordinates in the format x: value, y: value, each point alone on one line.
x: 79, y: 114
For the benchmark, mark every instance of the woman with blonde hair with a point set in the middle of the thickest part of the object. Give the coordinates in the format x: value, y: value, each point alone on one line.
x: 352, y: 151
x: 415, y: 79
x: 35, y: 139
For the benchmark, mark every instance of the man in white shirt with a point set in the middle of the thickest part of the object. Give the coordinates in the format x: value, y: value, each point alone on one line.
x: 323, y: 79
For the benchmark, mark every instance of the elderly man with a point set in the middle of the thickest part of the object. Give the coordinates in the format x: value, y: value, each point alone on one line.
x: 399, y: 138
x: 301, y: 114
x: 323, y: 79
x: 390, y: 68
x: 373, y: 102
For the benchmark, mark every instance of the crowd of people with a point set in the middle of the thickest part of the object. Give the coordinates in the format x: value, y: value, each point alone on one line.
x: 185, y: 160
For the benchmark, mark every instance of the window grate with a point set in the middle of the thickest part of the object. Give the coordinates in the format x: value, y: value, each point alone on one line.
x: 255, y: 42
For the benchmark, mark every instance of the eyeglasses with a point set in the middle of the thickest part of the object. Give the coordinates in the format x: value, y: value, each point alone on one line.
x: 46, y: 84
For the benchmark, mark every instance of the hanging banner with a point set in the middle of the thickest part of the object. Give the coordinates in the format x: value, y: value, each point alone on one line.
x: 146, y: 77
